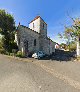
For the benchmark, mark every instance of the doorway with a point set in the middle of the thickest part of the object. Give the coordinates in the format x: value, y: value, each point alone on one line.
x: 26, y: 47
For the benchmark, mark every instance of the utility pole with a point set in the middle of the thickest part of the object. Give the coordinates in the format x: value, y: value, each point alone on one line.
x: 49, y: 45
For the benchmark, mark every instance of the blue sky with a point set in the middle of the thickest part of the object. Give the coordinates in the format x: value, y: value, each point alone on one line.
x: 54, y: 13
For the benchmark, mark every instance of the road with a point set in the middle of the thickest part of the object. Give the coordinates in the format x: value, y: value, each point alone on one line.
x: 38, y: 76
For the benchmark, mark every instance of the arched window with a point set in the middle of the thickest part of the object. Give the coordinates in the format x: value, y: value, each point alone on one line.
x: 34, y: 42
x: 43, y: 25
x: 19, y: 41
x: 33, y: 25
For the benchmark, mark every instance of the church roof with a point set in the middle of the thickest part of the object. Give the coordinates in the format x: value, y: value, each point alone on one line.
x: 29, y: 29
x: 50, y: 39
x: 37, y: 18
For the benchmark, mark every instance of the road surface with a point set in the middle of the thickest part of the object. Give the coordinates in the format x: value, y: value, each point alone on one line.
x: 38, y: 76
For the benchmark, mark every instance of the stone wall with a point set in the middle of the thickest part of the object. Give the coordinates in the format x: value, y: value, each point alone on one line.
x: 48, y: 46
x: 43, y: 28
x: 39, y: 26
x: 42, y: 43
x: 26, y: 34
x: 36, y: 25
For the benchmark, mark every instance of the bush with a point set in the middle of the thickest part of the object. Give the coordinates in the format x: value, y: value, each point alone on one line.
x: 2, y: 51
x: 73, y: 47
x: 7, y: 53
x: 19, y: 54
x: 11, y: 54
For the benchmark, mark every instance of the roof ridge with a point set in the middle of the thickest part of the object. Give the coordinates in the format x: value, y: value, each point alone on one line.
x: 35, y: 18
x: 29, y: 28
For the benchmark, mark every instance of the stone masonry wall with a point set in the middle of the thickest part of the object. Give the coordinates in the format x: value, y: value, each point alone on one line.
x: 25, y: 33
x: 43, y: 28
x: 36, y: 25
x: 48, y: 46
x: 38, y: 32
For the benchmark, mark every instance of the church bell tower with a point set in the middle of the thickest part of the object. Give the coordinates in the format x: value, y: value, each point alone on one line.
x: 39, y: 26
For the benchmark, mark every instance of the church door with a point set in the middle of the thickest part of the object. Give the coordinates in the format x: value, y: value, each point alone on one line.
x: 26, y: 47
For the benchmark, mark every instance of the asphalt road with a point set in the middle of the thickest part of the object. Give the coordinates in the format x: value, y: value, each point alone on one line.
x: 38, y: 76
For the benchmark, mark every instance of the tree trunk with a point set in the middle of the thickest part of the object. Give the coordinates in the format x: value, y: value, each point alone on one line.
x: 78, y: 47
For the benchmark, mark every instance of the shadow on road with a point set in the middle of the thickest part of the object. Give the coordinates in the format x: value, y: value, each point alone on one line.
x: 61, y: 55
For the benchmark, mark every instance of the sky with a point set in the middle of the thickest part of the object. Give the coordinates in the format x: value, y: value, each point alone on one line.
x: 54, y: 12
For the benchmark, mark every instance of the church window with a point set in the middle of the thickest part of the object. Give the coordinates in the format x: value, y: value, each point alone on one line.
x: 19, y: 41
x: 43, y: 25
x: 34, y: 42
x: 33, y: 25
x: 79, y: 38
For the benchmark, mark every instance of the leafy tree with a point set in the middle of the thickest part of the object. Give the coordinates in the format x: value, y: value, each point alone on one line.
x: 0, y: 43
x: 7, y: 29
x: 72, y: 46
x: 72, y: 33
x: 67, y: 35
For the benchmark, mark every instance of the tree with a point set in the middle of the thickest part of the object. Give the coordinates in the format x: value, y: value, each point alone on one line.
x: 72, y: 46
x: 72, y: 33
x: 1, y: 42
x: 67, y: 35
x: 7, y: 30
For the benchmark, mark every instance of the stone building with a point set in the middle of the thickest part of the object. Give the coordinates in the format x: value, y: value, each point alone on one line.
x: 34, y: 38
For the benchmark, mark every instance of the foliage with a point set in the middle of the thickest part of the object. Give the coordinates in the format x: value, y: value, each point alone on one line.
x: 71, y: 33
x: 1, y: 43
x: 19, y: 54
x: 7, y: 28
x: 11, y: 54
x: 72, y: 46
x: 2, y: 51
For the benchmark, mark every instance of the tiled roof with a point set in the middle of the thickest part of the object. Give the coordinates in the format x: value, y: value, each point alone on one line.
x: 50, y: 39
x: 37, y: 18
x: 29, y: 28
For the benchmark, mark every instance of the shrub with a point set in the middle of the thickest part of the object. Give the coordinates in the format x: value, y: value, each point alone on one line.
x: 11, y: 54
x: 14, y: 50
x: 19, y: 54
x: 2, y: 51
x: 7, y: 53
x: 73, y: 47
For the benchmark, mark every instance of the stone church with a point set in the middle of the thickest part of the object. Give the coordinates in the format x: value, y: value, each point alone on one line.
x: 34, y: 38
